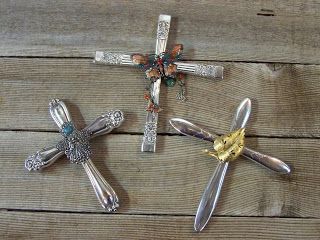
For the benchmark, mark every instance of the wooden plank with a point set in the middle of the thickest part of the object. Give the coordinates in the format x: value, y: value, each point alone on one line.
x: 169, y: 182
x: 286, y: 98
x: 269, y: 31
x: 25, y: 225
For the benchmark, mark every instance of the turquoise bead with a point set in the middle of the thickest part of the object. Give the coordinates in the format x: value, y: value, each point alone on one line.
x: 170, y: 82
x: 67, y: 129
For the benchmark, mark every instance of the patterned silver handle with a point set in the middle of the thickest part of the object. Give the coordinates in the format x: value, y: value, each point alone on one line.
x: 104, y: 192
x: 75, y: 145
x: 113, y: 58
x: 102, y: 125
x: 43, y: 158
x: 150, y: 132
x: 105, y: 123
x: 203, y: 70
x: 79, y: 154
x: 209, y: 71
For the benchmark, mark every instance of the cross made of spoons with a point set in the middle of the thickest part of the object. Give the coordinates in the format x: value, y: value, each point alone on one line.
x: 75, y: 145
x: 226, y: 148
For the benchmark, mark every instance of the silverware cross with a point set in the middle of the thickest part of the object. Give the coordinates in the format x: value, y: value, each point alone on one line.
x: 158, y: 71
x: 75, y: 145
x: 211, y: 193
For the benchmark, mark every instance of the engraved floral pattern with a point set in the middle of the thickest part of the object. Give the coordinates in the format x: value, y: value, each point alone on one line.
x: 163, y: 29
x: 205, y: 70
x: 112, y: 58
x: 150, y: 133
x: 34, y: 162
x: 115, y: 118
x: 113, y: 204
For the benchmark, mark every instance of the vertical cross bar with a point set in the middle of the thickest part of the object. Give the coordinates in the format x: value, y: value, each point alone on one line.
x: 150, y: 132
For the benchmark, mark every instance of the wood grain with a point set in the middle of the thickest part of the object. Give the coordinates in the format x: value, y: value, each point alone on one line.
x: 169, y: 182
x: 271, y: 54
x: 268, y: 31
x: 285, y: 99
x: 24, y: 225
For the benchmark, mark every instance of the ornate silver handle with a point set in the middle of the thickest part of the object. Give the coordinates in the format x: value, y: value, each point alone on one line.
x: 43, y: 158
x: 150, y: 131
x: 60, y: 114
x: 202, y: 70
x: 105, y: 123
x: 104, y: 192
x: 102, y: 125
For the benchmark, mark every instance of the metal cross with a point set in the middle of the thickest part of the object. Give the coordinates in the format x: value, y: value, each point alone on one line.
x: 75, y: 145
x: 211, y: 194
x: 150, y: 132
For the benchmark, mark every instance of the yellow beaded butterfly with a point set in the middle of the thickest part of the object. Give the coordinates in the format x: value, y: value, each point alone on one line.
x: 228, y: 147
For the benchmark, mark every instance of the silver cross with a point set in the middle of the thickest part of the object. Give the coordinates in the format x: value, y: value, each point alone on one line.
x: 150, y: 132
x: 211, y: 194
x: 75, y: 145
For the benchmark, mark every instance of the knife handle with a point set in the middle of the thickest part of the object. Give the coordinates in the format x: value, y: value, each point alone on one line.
x: 210, y: 196
x: 269, y: 162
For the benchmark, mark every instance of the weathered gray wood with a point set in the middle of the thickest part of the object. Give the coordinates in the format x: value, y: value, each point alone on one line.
x: 285, y: 104
x: 25, y: 225
x: 269, y: 31
x: 168, y: 182
x: 286, y: 101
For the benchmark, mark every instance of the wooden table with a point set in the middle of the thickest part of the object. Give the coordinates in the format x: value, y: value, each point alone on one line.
x: 271, y: 54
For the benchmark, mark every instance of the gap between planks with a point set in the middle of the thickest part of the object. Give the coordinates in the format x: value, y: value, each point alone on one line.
x: 181, y: 60
x: 167, y: 177
x: 88, y: 226
x: 114, y: 132
x: 285, y: 99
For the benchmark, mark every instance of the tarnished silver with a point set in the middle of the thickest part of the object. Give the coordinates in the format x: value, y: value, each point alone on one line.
x: 102, y: 125
x: 75, y: 145
x: 112, y: 58
x: 150, y: 132
x: 212, y: 192
x: 203, y: 70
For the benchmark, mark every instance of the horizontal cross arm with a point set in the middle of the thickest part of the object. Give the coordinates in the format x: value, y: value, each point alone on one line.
x: 102, y: 125
x: 112, y: 58
x: 203, y: 70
